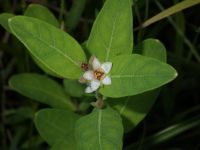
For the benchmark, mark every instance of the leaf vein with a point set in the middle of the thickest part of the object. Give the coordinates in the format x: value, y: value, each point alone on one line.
x: 137, y: 76
x: 111, y: 39
x: 52, y: 46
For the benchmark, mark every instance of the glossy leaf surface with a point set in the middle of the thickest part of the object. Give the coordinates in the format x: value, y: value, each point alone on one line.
x: 56, y: 50
x: 112, y: 32
x: 135, y: 74
x: 42, y: 13
x: 134, y: 108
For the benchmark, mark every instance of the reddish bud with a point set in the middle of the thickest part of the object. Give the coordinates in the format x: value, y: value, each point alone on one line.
x: 85, y: 66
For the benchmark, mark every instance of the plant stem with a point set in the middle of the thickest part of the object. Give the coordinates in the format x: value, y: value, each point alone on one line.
x: 74, y: 14
x: 62, y: 8
x: 139, y: 20
x: 170, y: 11
x: 186, y: 40
x: 146, y: 10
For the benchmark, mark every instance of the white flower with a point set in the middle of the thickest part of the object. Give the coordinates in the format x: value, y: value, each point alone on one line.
x: 97, y: 75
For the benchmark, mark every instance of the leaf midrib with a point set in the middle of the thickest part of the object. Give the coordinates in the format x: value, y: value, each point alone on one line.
x: 111, y: 39
x: 53, y: 47
x: 99, y: 128
x: 28, y: 47
x: 137, y: 76
x: 48, y: 45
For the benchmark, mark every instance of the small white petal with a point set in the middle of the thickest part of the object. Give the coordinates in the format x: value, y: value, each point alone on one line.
x: 88, y: 75
x: 95, y: 84
x: 106, y: 80
x: 91, y: 59
x: 106, y: 67
x: 95, y: 63
x: 89, y: 90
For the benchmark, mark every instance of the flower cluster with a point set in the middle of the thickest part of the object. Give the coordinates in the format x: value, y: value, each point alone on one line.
x: 96, y: 75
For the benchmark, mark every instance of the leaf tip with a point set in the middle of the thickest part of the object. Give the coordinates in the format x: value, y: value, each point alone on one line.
x: 9, y: 20
x: 10, y: 23
x: 175, y: 74
x: 10, y: 82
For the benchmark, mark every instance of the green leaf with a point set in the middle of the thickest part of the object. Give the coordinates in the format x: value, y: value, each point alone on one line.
x: 100, y: 130
x: 112, y: 32
x: 135, y: 74
x: 65, y: 142
x: 74, y: 15
x: 4, y: 20
x: 74, y: 88
x: 44, y: 68
x: 133, y: 109
x: 42, y: 89
x: 42, y: 13
x: 56, y: 50
x: 152, y: 48
x: 57, y: 126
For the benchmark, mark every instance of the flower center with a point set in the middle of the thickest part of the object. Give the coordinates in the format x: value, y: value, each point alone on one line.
x: 98, y: 74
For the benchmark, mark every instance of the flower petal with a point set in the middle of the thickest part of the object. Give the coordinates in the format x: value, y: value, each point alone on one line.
x: 88, y: 75
x: 82, y: 80
x: 106, y: 67
x: 106, y: 80
x: 89, y: 90
x: 95, y: 84
x: 95, y: 63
